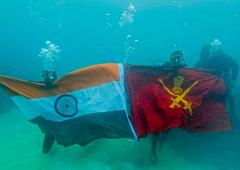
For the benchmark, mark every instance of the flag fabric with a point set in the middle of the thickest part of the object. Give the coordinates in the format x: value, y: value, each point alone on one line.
x: 82, y: 106
x: 122, y: 101
x: 163, y: 98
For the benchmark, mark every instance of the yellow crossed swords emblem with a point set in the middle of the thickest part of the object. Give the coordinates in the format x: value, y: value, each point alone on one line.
x: 178, y: 93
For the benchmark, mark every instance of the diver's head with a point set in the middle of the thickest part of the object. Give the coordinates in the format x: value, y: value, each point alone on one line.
x: 213, y: 49
x: 216, y: 46
x: 176, y: 58
x: 49, y: 76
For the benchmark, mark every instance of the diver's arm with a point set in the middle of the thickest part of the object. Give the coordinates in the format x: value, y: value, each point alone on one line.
x: 235, y: 70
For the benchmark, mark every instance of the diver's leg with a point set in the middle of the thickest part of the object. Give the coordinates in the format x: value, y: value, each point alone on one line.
x: 232, y: 109
x: 155, y: 141
x: 154, y: 145
x: 231, y: 105
x: 47, y: 143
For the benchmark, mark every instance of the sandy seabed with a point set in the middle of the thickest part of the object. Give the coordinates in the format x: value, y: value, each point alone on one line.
x: 21, y: 149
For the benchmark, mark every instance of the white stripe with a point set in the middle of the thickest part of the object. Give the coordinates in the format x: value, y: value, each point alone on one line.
x: 125, y: 98
x: 102, y: 98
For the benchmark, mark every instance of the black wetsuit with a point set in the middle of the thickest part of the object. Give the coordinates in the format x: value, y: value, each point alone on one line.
x: 224, y: 65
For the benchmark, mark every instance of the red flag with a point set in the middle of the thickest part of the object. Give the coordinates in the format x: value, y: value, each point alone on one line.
x: 163, y: 98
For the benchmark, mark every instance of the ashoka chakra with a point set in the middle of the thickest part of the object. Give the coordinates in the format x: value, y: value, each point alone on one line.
x: 66, y: 105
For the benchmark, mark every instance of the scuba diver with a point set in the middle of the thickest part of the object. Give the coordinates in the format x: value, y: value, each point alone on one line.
x: 49, y: 76
x: 175, y: 63
x: 49, y: 55
x: 213, y: 57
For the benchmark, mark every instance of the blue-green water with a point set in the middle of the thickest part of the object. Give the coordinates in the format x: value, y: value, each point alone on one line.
x: 88, y: 32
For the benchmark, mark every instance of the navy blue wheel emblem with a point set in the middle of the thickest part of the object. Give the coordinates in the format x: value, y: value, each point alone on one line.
x: 66, y: 105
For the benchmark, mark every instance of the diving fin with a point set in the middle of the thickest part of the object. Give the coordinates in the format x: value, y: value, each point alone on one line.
x: 47, y: 143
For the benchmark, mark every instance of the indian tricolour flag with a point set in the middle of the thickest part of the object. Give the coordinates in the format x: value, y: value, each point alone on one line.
x: 82, y: 106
